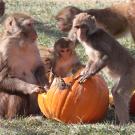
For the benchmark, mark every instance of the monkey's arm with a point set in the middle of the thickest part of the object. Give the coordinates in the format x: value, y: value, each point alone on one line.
x: 93, y: 68
x: 12, y: 84
x: 98, y: 65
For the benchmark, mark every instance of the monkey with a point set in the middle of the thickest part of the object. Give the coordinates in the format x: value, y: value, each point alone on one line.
x: 114, y: 19
x: 107, y: 54
x: 22, y: 73
x: 65, y: 61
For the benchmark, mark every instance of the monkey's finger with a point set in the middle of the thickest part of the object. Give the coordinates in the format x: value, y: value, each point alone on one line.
x: 83, y: 79
x: 77, y: 77
x: 46, y: 88
x: 37, y: 90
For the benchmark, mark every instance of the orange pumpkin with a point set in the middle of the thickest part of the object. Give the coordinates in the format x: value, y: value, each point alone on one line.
x: 82, y: 103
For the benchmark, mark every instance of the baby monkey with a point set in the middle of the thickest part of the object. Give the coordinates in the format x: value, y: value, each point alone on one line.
x: 66, y: 61
x: 106, y: 53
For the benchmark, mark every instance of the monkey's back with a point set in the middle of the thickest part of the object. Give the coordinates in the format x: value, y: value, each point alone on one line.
x: 120, y: 60
x: 109, y: 19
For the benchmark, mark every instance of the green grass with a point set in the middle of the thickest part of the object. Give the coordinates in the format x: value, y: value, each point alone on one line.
x: 44, y: 11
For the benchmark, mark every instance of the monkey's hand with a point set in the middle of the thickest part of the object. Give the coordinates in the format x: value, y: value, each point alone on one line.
x: 85, y: 74
x: 46, y: 87
x: 63, y: 85
x: 35, y: 89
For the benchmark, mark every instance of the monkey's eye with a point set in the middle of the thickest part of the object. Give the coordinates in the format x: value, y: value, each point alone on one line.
x: 83, y: 26
x: 77, y: 27
x: 60, y: 19
x: 29, y: 24
x: 64, y: 50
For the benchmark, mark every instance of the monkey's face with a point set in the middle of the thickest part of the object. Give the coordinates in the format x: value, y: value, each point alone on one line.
x: 83, y: 24
x: 63, y: 23
x: 28, y: 29
x: 81, y: 32
x: 65, y: 18
x: 65, y: 52
x: 22, y: 26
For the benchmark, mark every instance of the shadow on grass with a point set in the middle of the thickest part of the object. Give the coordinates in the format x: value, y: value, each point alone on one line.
x: 48, y: 29
x: 111, y: 117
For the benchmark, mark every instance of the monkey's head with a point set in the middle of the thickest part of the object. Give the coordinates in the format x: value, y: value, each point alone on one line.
x: 64, y: 47
x: 84, y: 24
x: 22, y: 25
x: 65, y: 18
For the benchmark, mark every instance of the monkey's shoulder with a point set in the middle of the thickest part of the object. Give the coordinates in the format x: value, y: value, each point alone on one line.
x: 101, y: 36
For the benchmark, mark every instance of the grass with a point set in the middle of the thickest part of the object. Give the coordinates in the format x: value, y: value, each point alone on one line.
x: 43, y: 11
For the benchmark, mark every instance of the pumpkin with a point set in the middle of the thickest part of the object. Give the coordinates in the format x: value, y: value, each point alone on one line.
x: 81, y: 103
x: 131, y: 104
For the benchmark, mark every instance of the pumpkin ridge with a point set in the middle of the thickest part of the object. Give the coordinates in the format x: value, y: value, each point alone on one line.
x: 50, y: 105
x: 102, y: 97
x: 76, y: 102
x: 99, y: 96
x: 46, y: 108
x: 62, y: 103
x: 93, y: 103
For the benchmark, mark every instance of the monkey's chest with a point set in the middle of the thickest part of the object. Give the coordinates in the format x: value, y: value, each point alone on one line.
x: 63, y: 68
x: 22, y: 65
x: 91, y: 52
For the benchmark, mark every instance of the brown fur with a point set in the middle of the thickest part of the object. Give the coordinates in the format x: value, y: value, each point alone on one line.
x: 21, y: 69
x: 106, y: 53
x: 114, y: 20
x: 63, y: 63
x: 64, y: 66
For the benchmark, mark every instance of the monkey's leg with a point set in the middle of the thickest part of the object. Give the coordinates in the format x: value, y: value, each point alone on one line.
x: 122, y: 94
x: 18, y: 105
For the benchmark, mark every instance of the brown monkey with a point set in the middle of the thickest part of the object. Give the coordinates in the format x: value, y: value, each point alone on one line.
x: 106, y: 53
x: 65, y: 61
x: 21, y: 70
x: 113, y: 20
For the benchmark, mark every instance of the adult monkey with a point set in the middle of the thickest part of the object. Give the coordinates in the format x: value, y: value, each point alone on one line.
x: 106, y: 53
x: 116, y: 20
x: 21, y: 69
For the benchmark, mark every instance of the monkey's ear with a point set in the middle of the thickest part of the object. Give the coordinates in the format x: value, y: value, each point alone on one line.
x: 10, y: 21
x: 11, y: 24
